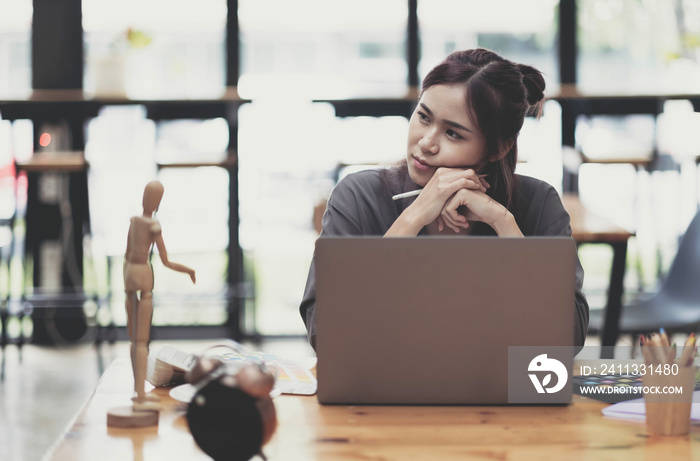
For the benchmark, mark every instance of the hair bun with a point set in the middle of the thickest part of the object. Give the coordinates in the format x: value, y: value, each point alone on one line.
x: 534, y: 87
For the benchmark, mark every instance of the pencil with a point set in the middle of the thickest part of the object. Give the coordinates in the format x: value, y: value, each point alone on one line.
x: 406, y: 194
x: 656, y: 349
x: 647, y: 350
x: 688, y: 354
x: 663, y: 338
x: 671, y: 355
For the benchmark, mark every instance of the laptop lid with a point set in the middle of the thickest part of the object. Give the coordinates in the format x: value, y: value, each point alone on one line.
x: 430, y: 320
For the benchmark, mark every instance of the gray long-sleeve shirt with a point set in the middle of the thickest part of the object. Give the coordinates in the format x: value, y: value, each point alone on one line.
x: 361, y: 204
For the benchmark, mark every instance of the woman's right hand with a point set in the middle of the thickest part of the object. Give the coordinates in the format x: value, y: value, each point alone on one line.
x: 432, y: 199
x: 441, y: 187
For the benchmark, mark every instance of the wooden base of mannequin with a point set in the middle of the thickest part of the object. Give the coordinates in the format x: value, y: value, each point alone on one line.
x: 128, y: 417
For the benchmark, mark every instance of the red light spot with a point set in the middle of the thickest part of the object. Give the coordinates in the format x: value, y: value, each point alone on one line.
x: 44, y: 139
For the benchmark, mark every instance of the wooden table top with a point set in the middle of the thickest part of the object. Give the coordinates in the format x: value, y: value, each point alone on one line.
x: 587, y: 226
x: 309, y: 431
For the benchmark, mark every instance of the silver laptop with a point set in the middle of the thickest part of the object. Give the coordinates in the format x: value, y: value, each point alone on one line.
x: 436, y: 320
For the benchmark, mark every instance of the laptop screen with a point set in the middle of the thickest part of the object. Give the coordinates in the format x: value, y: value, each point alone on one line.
x: 430, y: 320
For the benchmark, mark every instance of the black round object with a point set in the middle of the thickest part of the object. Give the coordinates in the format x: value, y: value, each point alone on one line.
x: 225, y: 422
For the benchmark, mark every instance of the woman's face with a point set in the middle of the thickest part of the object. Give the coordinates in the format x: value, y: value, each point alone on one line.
x: 442, y: 133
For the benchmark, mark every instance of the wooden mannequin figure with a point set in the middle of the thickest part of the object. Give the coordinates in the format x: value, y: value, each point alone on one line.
x: 144, y: 232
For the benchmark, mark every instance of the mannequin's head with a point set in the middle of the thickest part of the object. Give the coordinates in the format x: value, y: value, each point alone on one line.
x: 152, y: 195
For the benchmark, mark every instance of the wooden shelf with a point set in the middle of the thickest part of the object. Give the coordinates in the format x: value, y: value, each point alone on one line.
x: 228, y: 163
x: 230, y: 94
x: 54, y: 162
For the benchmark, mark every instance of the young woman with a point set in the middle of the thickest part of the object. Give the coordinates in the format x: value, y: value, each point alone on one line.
x: 462, y: 152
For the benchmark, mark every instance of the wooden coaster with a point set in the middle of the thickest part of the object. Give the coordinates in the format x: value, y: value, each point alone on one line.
x: 127, y: 417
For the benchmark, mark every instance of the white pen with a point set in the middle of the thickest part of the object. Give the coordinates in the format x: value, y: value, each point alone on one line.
x: 406, y: 194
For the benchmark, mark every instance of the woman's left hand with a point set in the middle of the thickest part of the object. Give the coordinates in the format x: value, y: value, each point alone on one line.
x: 475, y: 205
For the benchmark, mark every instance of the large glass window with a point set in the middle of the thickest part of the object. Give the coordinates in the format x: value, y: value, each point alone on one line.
x: 521, y: 31
x: 289, y: 147
x: 639, y: 45
x: 318, y: 49
x: 15, y: 47
x: 155, y: 48
x: 289, y: 153
x: 123, y: 147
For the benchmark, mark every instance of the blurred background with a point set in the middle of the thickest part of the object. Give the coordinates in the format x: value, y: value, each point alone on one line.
x: 248, y: 111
